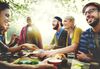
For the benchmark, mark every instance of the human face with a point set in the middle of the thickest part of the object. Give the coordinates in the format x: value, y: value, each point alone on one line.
x: 4, y: 19
x: 92, y: 15
x: 29, y: 20
x: 55, y: 24
x: 67, y: 23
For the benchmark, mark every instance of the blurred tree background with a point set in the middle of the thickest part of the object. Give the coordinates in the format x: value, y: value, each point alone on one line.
x: 42, y: 12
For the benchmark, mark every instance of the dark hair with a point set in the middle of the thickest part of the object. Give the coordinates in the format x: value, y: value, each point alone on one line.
x: 59, y: 19
x: 4, y: 5
x: 97, y: 5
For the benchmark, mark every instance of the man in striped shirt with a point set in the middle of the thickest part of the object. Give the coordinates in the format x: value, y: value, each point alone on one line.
x: 89, y: 46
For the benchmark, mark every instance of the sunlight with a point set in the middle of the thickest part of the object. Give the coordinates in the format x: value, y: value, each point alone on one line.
x: 43, y: 12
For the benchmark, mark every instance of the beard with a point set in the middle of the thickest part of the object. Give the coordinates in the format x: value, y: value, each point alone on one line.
x: 56, y: 27
x: 94, y: 23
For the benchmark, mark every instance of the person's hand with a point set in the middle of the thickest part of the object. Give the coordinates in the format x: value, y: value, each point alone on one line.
x: 82, y: 56
x: 41, y: 53
x: 47, y: 53
x: 14, y: 36
x: 29, y: 46
x: 14, y: 39
x: 46, y: 66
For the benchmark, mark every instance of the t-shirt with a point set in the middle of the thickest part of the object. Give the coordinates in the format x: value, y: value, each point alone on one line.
x: 75, y: 37
x: 3, y: 49
x: 90, y: 43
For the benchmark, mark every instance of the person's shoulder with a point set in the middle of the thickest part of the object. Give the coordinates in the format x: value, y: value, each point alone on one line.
x: 64, y: 31
x: 24, y: 27
x: 77, y: 28
x: 87, y: 32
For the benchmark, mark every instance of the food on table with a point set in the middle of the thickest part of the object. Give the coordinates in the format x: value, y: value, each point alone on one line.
x: 26, y: 60
x: 59, y: 56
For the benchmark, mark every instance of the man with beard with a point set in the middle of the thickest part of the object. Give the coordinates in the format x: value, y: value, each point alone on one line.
x: 59, y: 39
x: 89, y: 46
x: 30, y: 35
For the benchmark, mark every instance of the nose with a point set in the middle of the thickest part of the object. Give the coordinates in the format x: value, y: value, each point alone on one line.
x: 53, y: 24
x: 8, y: 20
x: 87, y: 14
x: 8, y: 24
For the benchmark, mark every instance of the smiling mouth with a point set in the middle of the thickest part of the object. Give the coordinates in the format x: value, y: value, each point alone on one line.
x: 90, y: 20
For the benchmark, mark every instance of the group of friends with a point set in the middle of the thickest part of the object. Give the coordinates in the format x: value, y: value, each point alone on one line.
x: 68, y: 38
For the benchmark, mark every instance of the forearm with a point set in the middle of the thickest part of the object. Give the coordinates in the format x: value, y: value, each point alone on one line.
x: 87, y: 59
x: 29, y: 46
x: 32, y: 47
x: 65, y: 49
x: 40, y: 42
x: 44, y: 66
x: 4, y: 65
x: 15, y: 49
x: 12, y: 44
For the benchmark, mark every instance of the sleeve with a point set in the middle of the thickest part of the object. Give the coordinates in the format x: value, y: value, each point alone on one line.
x: 76, y: 35
x: 83, y: 44
x: 53, y: 41
x: 40, y: 41
x: 3, y: 47
x: 20, y: 41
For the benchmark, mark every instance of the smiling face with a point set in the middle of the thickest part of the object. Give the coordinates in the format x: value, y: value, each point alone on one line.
x: 55, y: 24
x: 4, y: 19
x: 92, y: 15
x: 29, y: 21
x: 68, y: 23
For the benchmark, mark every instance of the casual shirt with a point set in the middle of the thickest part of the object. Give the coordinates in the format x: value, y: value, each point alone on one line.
x: 90, y: 43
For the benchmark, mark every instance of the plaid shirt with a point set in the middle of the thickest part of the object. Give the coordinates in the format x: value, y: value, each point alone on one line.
x: 88, y: 43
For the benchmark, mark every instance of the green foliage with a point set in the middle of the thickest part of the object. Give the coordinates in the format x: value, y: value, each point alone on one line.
x: 42, y: 11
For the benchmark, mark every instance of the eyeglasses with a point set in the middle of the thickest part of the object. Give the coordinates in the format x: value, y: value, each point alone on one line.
x: 90, y: 11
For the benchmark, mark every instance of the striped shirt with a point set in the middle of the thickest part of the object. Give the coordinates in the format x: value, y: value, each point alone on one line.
x: 90, y: 43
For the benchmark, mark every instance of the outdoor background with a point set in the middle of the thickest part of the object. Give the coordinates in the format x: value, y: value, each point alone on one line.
x: 42, y: 12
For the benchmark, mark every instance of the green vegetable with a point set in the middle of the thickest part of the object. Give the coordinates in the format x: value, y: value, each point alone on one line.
x: 31, y: 61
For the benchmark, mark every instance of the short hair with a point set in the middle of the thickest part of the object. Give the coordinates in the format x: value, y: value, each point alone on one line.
x: 59, y: 19
x: 4, y: 5
x: 97, y: 5
x: 71, y: 18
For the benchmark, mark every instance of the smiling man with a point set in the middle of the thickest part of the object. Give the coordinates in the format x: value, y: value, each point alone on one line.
x: 60, y: 37
x: 89, y: 46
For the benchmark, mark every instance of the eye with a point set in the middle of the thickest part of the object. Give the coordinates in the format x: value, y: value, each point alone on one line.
x: 7, y: 15
x: 90, y: 11
x: 65, y: 21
